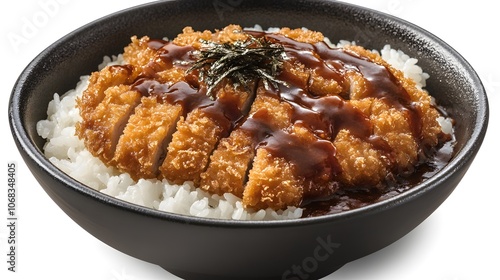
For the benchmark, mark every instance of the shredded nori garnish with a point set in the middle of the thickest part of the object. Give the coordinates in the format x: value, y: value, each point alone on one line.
x: 241, y: 61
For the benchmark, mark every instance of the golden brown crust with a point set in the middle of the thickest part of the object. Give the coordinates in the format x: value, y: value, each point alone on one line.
x: 302, y: 35
x: 190, y: 148
x: 430, y: 127
x: 99, y: 82
x: 272, y: 183
x: 229, y: 164
x: 233, y: 157
x: 195, y: 139
x: 145, y: 137
x: 361, y: 164
x: 189, y: 37
x: 102, y: 127
x: 138, y: 53
x: 162, y: 140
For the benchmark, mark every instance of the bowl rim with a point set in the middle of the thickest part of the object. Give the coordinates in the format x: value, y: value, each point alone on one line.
x: 459, y: 161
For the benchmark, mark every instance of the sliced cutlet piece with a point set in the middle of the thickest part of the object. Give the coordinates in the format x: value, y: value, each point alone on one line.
x: 104, y: 125
x: 229, y: 164
x: 198, y: 134
x: 142, y: 145
x: 190, y: 147
x: 292, y: 165
x: 271, y: 180
x: 99, y: 82
x: 315, y: 161
x: 227, y: 170
x: 272, y: 183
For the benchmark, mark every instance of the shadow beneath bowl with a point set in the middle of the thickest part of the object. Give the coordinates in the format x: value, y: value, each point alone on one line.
x: 373, y: 265
x: 378, y: 263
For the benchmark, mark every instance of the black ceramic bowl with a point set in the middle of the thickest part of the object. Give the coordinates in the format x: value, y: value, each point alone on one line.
x: 204, y: 248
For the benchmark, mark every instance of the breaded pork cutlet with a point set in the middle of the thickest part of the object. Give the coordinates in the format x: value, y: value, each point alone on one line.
x: 245, y: 165
x: 99, y: 82
x: 232, y: 160
x: 149, y: 130
x: 278, y: 119
x: 198, y: 134
x: 291, y: 163
x: 105, y: 112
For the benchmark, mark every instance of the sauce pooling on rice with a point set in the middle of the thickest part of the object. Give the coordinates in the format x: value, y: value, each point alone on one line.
x: 290, y: 121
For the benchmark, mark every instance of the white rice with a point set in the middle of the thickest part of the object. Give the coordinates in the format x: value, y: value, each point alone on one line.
x: 66, y: 151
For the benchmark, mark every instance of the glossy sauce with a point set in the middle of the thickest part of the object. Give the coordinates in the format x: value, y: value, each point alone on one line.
x: 324, y: 116
x: 189, y: 94
x: 344, y: 200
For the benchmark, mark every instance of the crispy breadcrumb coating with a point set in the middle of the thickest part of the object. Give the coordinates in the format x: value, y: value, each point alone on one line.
x: 134, y: 118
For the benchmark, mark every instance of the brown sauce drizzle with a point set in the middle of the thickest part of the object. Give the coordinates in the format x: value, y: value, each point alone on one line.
x: 344, y: 200
x: 324, y: 116
x: 310, y: 160
x: 333, y: 63
x: 188, y: 94
x: 172, y: 54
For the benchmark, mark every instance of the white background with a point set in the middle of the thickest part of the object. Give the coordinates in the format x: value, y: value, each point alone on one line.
x: 458, y: 241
